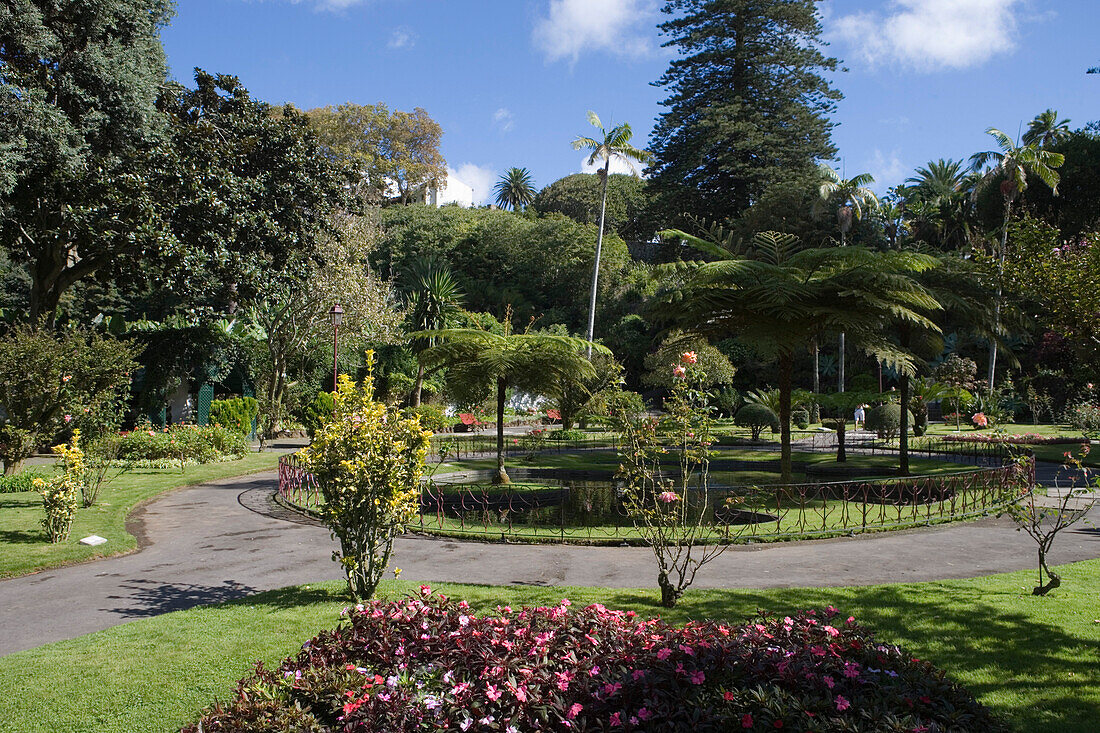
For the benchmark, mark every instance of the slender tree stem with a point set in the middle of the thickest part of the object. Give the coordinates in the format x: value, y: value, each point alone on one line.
x: 599, y: 249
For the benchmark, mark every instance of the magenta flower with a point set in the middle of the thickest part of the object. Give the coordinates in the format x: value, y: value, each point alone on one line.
x: 667, y: 497
x: 842, y: 704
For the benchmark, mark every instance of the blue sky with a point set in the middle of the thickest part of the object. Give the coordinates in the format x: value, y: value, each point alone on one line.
x: 510, y: 80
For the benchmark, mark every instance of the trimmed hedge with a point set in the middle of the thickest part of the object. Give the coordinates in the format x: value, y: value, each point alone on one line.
x: 756, y: 417
x: 426, y: 663
x: 180, y: 443
x: 236, y: 413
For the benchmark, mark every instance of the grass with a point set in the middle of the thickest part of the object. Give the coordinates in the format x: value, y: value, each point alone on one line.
x: 1033, y: 660
x: 24, y: 547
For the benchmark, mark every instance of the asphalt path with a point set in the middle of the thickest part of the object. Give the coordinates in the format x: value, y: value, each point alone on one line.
x: 228, y: 539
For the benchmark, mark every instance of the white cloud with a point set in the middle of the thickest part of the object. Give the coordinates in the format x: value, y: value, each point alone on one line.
x: 571, y: 27
x: 504, y: 120
x: 618, y: 165
x: 887, y: 169
x: 931, y: 35
x: 401, y: 38
x: 476, y: 177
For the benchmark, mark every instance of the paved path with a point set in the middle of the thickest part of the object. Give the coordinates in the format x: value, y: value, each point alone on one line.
x: 226, y: 539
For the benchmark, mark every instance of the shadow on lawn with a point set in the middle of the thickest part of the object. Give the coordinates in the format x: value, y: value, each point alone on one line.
x: 19, y: 537
x: 149, y: 598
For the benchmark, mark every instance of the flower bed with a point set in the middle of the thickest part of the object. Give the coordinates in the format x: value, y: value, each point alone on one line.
x: 1025, y: 439
x: 180, y: 443
x: 426, y: 663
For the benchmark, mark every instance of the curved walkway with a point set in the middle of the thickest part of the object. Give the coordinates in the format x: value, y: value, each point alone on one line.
x: 227, y: 539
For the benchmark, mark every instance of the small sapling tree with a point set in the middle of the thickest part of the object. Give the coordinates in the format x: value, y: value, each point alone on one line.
x: 367, y: 461
x: 672, y: 512
x: 1044, y: 517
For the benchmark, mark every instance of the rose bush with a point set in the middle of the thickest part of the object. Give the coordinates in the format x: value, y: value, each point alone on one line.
x: 428, y: 663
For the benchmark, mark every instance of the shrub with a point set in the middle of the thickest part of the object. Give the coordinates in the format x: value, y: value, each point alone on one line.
x: 756, y: 417
x: 885, y: 420
x: 237, y: 414
x: 52, y: 383
x: 367, y: 463
x: 179, y: 444
x: 427, y: 663
x: 726, y: 401
x: 20, y: 482
x: 1086, y: 418
x: 830, y: 422
x: 800, y: 418
x: 431, y: 417
x: 562, y: 435
x: 60, y: 493
x: 317, y: 412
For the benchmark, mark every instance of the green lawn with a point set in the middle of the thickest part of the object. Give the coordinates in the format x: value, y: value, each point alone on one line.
x: 1033, y: 660
x: 23, y: 544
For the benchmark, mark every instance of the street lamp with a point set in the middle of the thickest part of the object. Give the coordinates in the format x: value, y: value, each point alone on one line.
x: 336, y: 315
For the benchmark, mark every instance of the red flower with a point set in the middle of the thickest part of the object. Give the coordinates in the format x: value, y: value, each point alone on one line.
x: 746, y: 721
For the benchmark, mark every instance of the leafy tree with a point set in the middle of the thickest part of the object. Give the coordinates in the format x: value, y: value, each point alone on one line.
x: 777, y: 297
x: 398, y: 150
x: 1075, y: 211
x: 78, y: 83
x: 1011, y: 166
x: 53, y: 383
x: 748, y: 103
x: 578, y: 196
x: 515, y: 189
x: 1046, y: 129
x: 937, y: 203
x: 532, y: 362
x: 614, y: 144
x: 248, y: 192
x: 575, y: 395
x: 434, y: 297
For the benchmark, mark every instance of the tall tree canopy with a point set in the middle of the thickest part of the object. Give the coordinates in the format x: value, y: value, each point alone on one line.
x: 393, y: 152
x: 747, y: 106
x: 578, y: 197
x: 78, y: 81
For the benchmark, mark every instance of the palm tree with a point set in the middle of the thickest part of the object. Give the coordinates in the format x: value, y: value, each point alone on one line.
x: 515, y: 189
x: 776, y: 296
x: 1011, y: 166
x: 433, y: 296
x: 1046, y: 129
x: 533, y: 362
x: 938, y: 180
x: 852, y: 196
x: 615, y: 143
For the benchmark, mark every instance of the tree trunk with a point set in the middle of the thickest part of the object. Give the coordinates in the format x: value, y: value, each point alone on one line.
x: 419, y: 385
x: 997, y: 303
x: 1055, y: 580
x: 502, y: 475
x: 599, y: 249
x: 785, y: 416
x: 815, y: 409
x: 840, y: 366
x: 841, y: 426
x: 903, y: 447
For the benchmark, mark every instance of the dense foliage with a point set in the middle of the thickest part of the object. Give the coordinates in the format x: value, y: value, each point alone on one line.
x: 179, y: 444
x: 367, y: 462
x: 427, y: 663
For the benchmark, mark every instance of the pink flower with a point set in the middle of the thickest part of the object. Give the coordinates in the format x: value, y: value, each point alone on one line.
x: 68, y: 418
x: 493, y: 693
x: 689, y: 357
x: 746, y: 721
x: 841, y: 703
x: 574, y: 710
x: 727, y: 696
x: 615, y: 720
x: 663, y: 654
x: 679, y: 372
x: 831, y: 631
x: 667, y: 497
x: 698, y: 677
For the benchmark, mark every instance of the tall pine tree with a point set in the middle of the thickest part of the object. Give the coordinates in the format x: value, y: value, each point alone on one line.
x: 748, y: 104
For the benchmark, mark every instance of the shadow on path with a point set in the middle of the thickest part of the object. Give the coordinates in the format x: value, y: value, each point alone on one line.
x: 149, y: 598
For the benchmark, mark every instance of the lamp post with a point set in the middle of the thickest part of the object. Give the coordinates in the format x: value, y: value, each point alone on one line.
x: 336, y: 315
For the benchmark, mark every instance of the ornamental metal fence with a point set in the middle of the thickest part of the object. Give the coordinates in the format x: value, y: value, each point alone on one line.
x: 588, y: 507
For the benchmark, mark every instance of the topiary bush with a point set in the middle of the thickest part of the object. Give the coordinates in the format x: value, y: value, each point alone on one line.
x: 236, y: 413
x: 428, y: 663
x: 800, y: 418
x: 431, y: 417
x: 756, y: 417
x: 885, y: 420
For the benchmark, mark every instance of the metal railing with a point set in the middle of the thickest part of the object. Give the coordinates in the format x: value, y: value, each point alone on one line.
x: 587, y: 506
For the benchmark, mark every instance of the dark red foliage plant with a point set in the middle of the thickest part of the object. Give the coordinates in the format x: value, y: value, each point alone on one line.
x: 428, y: 663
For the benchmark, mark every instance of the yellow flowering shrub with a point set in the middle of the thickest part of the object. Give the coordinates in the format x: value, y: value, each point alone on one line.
x: 367, y: 461
x: 61, y: 493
